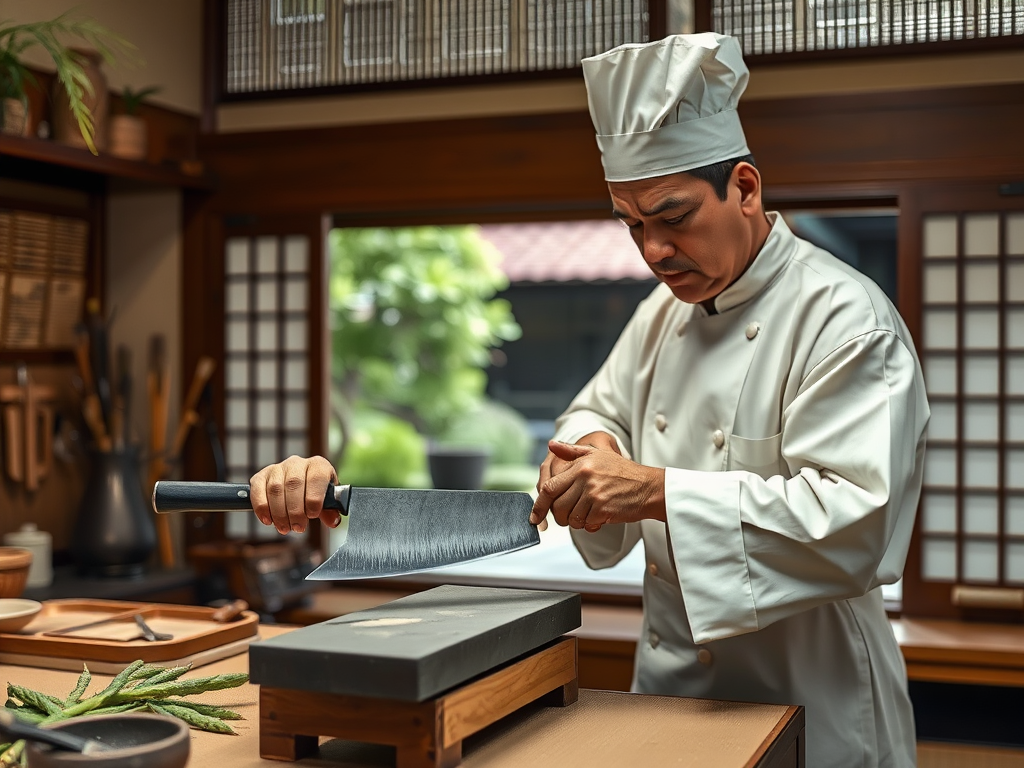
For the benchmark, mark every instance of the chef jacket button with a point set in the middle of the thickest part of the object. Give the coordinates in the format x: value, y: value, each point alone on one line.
x: 654, y: 640
x: 718, y: 438
x: 752, y: 330
x: 704, y: 656
x: 653, y: 569
x: 660, y: 422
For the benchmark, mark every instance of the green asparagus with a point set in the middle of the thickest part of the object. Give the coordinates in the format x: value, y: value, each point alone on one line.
x: 137, y: 687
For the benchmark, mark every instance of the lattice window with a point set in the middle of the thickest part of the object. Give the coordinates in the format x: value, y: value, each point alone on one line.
x: 787, y: 26
x: 275, y: 45
x: 972, y: 525
x: 267, y: 354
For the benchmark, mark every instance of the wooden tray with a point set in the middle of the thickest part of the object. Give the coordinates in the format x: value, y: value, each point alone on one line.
x: 193, y: 628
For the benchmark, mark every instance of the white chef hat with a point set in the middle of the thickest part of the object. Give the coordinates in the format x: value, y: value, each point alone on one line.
x: 667, y: 106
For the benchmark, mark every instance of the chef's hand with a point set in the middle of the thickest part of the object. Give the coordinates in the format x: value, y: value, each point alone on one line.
x: 290, y: 494
x: 553, y: 464
x: 595, y: 486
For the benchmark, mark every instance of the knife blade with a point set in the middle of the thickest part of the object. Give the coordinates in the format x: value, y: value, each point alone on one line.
x: 390, y: 531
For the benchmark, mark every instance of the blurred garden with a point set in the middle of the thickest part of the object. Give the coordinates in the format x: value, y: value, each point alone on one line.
x: 414, y: 326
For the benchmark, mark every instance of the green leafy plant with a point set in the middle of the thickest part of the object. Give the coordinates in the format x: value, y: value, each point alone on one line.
x: 414, y: 320
x: 132, y: 99
x: 382, y: 451
x: 16, y: 39
x: 138, y: 687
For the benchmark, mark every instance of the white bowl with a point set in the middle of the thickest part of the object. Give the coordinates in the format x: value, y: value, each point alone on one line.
x: 15, y: 613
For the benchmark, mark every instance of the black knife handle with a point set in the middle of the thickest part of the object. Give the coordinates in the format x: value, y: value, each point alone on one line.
x: 178, y: 496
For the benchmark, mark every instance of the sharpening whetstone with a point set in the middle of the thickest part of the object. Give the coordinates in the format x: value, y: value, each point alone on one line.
x: 416, y: 647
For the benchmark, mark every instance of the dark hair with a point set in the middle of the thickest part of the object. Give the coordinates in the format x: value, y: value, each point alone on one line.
x: 718, y: 174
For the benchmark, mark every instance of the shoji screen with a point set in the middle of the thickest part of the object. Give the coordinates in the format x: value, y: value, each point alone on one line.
x: 972, y: 347
x: 269, y: 357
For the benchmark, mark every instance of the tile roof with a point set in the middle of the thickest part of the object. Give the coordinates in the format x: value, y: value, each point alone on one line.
x: 563, y: 251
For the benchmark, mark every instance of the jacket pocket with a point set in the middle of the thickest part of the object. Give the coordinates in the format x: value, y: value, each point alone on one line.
x: 762, y: 456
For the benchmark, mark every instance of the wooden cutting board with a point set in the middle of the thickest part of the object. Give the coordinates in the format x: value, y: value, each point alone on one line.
x: 418, y: 646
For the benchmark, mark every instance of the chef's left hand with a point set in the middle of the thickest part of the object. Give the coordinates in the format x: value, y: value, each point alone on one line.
x: 600, y: 487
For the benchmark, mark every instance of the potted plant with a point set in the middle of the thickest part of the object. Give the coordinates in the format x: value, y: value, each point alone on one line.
x: 128, y: 131
x: 75, y: 74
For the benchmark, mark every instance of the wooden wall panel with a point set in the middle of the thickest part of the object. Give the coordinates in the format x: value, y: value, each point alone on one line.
x: 502, y: 167
x: 486, y: 166
x: 950, y: 133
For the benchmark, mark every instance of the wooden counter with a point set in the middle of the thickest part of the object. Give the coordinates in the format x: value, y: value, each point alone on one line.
x: 935, y: 651
x: 603, y: 729
x: 957, y: 652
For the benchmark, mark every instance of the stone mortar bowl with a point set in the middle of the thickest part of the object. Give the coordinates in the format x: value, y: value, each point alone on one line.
x: 133, y: 741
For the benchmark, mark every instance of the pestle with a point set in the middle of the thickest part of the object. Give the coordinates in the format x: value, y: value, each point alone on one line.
x: 14, y: 729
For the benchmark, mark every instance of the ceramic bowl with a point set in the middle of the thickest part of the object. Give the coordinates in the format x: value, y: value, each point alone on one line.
x: 14, y: 563
x: 134, y: 741
x: 15, y: 613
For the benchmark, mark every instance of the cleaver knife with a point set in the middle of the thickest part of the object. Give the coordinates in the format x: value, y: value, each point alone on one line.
x: 390, y: 531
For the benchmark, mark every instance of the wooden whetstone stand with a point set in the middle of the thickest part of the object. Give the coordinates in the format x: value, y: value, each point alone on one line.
x: 426, y: 734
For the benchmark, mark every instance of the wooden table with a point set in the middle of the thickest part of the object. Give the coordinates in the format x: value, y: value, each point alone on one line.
x: 940, y: 651
x: 935, y: 650
x: 603, y: 729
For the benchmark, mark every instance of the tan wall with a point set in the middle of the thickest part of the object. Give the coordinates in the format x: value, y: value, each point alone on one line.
x: 167, y: 34
x: 143, y: 286
x: 903, y: 73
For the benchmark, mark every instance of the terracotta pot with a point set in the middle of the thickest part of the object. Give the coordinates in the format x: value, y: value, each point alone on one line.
x: 15, y: 122
x: 14, y: 565
x: 65, y: 127
x: 128, y: 137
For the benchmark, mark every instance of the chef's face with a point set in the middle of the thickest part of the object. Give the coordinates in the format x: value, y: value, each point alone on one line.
x: 694, y: 242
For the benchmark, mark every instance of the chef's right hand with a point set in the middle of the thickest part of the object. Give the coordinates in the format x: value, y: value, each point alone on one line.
x: 290, y: 494
x: 553, y: 465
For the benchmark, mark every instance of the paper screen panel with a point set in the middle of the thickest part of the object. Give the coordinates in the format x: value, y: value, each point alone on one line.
x: 981, y: 375
x: 981, y: 514
x: 1013, y: 554
x: 972, y: 350
x: 939, y: 558
x: 981, y: 561
x: 267, y: 306
x: 938, y: 512
x: 940, y: 283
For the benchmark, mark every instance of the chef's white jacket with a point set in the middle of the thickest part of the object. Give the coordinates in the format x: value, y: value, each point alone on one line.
x: 791, y: 428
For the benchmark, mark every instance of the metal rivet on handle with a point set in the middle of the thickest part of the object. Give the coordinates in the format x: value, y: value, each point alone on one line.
x: 243, y: 494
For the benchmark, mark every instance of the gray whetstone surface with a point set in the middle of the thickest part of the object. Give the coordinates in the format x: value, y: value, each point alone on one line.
x: 416, y: 647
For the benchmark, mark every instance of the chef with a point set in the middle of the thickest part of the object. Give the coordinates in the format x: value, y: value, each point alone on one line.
x: 759, y: 424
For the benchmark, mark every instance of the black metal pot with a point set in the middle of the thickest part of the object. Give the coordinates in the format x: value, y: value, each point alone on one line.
x: 457, y: 468
x: 114, y: 531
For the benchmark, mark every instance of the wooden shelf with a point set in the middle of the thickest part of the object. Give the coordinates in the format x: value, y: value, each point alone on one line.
x: 59, y: 155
